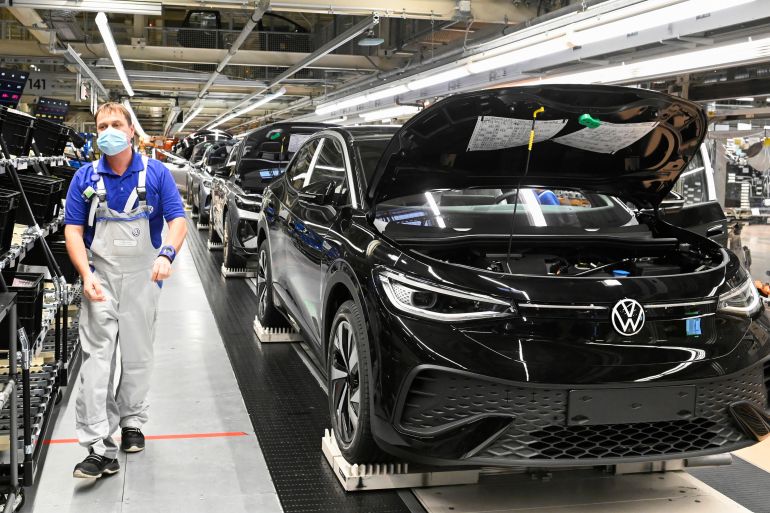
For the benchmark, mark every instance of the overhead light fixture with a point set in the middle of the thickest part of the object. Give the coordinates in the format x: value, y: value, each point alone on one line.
x: 709, y: 58
x: 259, y: 103
x: 370, y: 39
x: 337, y: 120
x: 84, y: 67
x: 112, y: 49
x: 689, y: 9
x: 392, y: 112
x: 745, y: 99
x: 137, y: 127
x: 519, y: 55
x: 328, y: 108
x: 438, y: 78
x: 190, y: 117
x: 147, y: 7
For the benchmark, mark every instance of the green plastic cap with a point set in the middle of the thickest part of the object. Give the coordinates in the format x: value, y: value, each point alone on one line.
x: 589, y: 121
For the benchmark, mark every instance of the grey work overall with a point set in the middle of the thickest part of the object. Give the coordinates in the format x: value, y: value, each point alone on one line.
x: 123, y: 256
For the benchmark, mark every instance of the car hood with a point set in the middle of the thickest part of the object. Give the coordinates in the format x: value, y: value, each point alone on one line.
x: 626, y: 142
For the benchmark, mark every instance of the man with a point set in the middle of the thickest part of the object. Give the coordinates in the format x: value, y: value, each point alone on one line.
x: 116, y: 207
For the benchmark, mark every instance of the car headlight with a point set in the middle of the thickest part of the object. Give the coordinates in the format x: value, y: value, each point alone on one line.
x: 741, y: 300
x: 246, y: 204
x: 441, y: 303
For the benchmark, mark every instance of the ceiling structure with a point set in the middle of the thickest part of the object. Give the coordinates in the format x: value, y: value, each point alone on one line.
x: 237, y: 64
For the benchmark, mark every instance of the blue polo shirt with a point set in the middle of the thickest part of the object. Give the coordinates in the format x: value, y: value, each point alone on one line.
x: 162, y: 194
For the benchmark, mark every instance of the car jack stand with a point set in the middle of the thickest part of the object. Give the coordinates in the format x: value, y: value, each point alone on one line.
x: 382, y: 476
x: 200, y: 226
x: 237, y: 272
x: 214, y: 246
x: 275, y: 334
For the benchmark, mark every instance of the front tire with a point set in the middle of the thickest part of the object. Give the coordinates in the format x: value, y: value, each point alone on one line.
x: 232, y: 261
x: 348, y: 383
x: 267, y: 313
x: 213, y: 235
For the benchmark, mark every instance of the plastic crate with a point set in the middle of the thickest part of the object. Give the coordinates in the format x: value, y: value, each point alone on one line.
x: 17, y: 131
x: 50, y: 138
x: 9, y: 202
x: 36, y: 256
x: 29, y: 301
x: 66, y: 173
x: 43, y: 193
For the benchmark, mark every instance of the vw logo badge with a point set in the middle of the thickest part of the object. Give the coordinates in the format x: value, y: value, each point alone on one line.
x: 136, y: 232
x: 627, y: 317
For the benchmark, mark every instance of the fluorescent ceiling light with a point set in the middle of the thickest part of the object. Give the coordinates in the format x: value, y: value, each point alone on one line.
x: 84, y: 67
x: 190, y: 117
x: 745, y: 99
x: 439, y: 78
x: 134, y: 120
x: 336, y: 120
x: 519, y: 55
x: 151, y: 8
x: 112, y: 49
x: 392, y: 112
x: 259, y: 103
x: 709, y: 58
x: 689, y: 9
x: 328, y: 108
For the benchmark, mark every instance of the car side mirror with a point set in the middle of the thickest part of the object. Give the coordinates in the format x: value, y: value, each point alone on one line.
x: 319, y: 193
x: 672, y: 203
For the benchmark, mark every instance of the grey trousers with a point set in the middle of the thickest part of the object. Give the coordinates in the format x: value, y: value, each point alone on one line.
x: 125, y: 319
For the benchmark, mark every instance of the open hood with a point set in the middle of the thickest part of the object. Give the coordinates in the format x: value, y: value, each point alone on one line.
x: 629, y: 143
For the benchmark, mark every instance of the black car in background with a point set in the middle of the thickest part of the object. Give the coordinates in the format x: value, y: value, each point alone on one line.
x: 474, y: 303
x: 200, y: 176
x: 236, y: 191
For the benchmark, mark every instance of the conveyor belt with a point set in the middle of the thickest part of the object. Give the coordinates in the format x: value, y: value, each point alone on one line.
x: 743, y: 482
x: 286, y: 406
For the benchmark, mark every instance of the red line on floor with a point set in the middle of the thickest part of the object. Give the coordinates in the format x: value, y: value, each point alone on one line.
x: 159, y: 437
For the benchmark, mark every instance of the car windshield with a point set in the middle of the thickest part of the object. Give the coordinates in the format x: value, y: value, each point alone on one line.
x: 491, y: 212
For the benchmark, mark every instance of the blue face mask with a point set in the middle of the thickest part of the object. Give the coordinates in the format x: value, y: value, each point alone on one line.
x: 112, y: 141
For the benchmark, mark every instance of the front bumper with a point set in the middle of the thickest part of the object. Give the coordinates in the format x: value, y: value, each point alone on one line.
x: 454, y: 418
x: 246, y: 226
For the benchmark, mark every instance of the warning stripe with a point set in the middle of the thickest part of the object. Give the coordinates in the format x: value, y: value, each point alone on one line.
x: 158, y: 437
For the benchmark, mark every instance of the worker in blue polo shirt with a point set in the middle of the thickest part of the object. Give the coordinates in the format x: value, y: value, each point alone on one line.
x: 114, y: 213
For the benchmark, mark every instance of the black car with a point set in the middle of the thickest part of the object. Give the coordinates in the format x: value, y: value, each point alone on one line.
x: 201, y: 174
x: 475, y: 303
x: 236, y: 190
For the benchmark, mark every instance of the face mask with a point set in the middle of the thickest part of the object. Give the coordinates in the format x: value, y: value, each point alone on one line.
x: 112, y: 141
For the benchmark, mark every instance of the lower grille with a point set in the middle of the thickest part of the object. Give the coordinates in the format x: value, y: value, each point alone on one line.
x: 440, y: 400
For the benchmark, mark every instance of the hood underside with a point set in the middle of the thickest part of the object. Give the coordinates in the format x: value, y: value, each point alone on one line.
x: 626, y: 142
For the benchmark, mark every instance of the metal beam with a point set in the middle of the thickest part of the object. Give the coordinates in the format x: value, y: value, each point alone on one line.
x: 730, y: 89
x: 74, y: 57
x: 150, y: 7
x: 317, y: 55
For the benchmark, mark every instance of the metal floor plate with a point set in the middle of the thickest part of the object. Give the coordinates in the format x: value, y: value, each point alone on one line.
x: 286, y: 406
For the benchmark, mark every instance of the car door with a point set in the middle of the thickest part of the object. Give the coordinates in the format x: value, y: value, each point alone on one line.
x: 277, y: 210
x: 219, y: 189
x: 696, y: 207
x: 312, y: 216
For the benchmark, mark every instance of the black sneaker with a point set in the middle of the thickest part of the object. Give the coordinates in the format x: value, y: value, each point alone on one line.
x: 96, y: 466
x: 132, y: 440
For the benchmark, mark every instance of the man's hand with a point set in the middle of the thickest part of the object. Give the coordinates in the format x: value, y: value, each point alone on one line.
x: 161, y: 269
x: 93, y: 289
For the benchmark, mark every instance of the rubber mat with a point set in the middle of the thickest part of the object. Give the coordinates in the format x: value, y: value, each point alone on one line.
x: 286, y: 406
x: 743, y: 482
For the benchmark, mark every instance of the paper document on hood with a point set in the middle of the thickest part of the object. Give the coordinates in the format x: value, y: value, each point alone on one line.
x: 607, y: 137
x: 296, y: 140
x: 496, y: 133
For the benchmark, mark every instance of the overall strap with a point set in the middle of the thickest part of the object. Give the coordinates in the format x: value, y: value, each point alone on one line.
x: 140, y: 192
x: 99, y: 197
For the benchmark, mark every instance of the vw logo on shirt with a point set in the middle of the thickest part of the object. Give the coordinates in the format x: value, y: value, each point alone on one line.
x: 627, y: 317
x: 136, y: 232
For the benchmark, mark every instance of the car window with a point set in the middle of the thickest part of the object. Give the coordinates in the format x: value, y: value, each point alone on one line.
x: 298, y: 169
x: 692, y: 184
x: 329, y: 167
x: 218, y: 155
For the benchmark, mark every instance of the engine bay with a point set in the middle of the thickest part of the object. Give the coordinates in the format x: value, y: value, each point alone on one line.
x: 666, y: 257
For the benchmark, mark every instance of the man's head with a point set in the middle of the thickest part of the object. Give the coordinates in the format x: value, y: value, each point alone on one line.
x: 115, y: 115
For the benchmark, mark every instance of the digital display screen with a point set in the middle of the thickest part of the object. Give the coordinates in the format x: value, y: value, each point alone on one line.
x: 52, y: 109
x: 12, y: 84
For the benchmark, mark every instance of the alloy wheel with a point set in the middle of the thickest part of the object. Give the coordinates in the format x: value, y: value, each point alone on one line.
x: 226, y: 240
x: 262, y: 284
x: 345, y: 389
